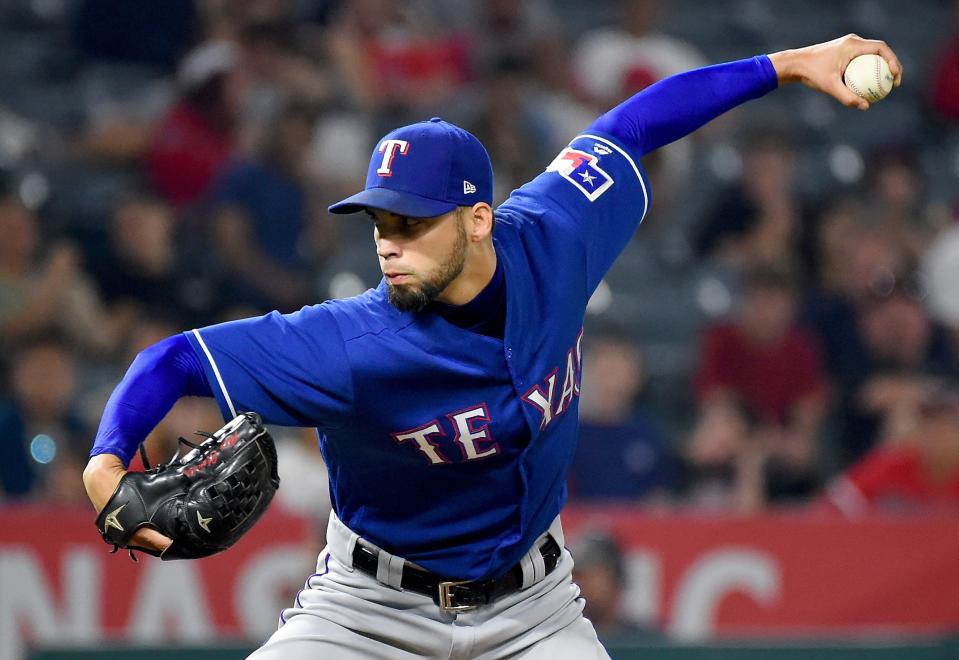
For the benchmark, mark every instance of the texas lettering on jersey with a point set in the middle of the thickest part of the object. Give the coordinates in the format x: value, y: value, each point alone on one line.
x: 471, y: 434
x: 542, y: 395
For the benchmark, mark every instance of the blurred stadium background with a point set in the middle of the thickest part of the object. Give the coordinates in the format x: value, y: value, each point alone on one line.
x: 769, y: 462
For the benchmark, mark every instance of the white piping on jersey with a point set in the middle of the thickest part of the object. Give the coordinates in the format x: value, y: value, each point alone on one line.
x: 216, y: 372
x: 631, y: 162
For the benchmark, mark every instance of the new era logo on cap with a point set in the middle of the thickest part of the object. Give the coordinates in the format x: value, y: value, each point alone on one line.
x: 424, y: 170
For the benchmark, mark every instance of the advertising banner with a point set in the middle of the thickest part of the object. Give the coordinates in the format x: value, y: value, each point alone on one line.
x: 695, y: 577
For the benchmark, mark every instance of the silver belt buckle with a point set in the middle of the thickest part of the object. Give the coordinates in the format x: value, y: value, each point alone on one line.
x: 446, y: 597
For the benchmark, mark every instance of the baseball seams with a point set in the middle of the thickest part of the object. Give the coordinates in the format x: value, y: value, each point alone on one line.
x: 855, y: 89
x: 867, y: 94
x: 872, y: 85
x: 877, y: 70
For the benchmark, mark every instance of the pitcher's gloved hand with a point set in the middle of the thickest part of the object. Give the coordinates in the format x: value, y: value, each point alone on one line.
x: 205, y: 500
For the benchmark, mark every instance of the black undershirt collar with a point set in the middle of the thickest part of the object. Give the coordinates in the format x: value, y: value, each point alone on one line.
x: 486, y: 313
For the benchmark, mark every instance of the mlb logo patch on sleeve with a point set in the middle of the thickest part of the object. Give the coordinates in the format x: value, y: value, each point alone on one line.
x: 583, y: 171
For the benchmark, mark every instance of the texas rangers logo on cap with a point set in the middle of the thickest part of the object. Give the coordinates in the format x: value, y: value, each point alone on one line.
x: 389, y: 149
x: 424, y: 170
x: 583, y: 171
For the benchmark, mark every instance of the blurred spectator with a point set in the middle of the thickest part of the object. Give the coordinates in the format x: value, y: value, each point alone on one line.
x: 917, y: 472
x: 621, y: 454
x: 528, y: 30
x: 151, y: 32
x: 278, y: 76
x: 99, y: 377
x: 866, y: 249
x: 225, y: 18
x: 337, y: 159
x: 38, y: 418
x: 52, y: 293
x: 197, y: 136
x: 508, y: 126
x: 854, y: 263
x: 763, y: 362
x: 882, y: 377
x: 895, y: 197
x: 614, y: 62
x: 944, y: 80
x: 600, y: 572
x: 396, y: 61
x: 831, y: 266
x: 725, y: 459
x: 140, y: 270
x: 532, y: 33
x: 757, y: 222
x: 762, y: 357
x: 126, y: 87
x: 63, y: 485
x: 563, y: 112
x: 266, y: 232
x: 148, y: 330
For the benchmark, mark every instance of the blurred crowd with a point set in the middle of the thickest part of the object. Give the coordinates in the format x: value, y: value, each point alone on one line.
x: 166, y: 164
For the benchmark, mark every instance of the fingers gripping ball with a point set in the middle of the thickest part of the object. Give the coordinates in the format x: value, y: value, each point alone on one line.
x: 869, y: 77
x: 204, y: 500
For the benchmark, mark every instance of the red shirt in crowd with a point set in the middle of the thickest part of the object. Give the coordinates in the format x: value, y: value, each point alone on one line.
x: 406, y: 68
x: 770, y: 379
x: 185, y: 155
x: 944, y: 90
x: 892, y: 478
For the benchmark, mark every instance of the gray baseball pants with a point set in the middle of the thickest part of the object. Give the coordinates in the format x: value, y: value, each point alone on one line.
x: 346, y: 614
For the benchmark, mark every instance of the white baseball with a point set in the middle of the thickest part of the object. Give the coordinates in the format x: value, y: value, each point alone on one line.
x: 869, y: 77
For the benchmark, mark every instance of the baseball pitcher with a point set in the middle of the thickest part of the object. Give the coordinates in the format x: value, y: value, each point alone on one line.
x: 445, y: 399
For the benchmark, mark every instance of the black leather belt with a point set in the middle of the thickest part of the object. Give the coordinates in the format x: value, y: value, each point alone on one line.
x: 457, y: 595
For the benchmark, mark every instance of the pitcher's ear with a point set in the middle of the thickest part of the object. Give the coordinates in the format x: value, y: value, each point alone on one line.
x: 479, y: 220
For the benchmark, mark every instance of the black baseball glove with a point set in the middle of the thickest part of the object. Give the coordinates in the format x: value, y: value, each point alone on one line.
x: 205, y: 500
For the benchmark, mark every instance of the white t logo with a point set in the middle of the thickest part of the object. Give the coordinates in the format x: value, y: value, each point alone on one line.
x: 389, y: 148
x: 421, y: 437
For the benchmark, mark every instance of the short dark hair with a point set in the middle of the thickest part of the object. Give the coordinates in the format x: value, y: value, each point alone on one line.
x: 276, y: 33
x: 765, y: 278
x: 598, y: 548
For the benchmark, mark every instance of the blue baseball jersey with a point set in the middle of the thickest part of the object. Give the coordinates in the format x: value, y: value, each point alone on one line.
x: 445, y: 446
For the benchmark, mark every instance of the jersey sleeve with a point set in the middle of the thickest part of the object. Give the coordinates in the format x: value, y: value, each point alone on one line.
x: 594, y: 193
x: 291, y: 369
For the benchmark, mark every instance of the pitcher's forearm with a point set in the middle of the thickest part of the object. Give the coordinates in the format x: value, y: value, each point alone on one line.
x: 100, y: 478
x: 676, y: 106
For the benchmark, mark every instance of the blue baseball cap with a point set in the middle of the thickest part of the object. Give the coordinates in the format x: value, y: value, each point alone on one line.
x: 424, y: 170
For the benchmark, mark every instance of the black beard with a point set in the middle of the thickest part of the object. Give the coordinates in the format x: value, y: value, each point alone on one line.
x: 415, y: 298
x: 412, y: 299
